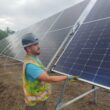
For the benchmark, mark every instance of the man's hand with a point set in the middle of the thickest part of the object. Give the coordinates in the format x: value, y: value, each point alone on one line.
x: 70, y: 77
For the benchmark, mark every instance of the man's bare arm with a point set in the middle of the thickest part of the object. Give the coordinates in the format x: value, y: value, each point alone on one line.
x: 47, y: 78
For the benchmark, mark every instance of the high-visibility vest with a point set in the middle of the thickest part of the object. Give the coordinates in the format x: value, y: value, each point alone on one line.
x: 34, y: 91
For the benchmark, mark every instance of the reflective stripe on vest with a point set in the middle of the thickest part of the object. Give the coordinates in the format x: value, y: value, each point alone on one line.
x: 34, y: 98
x: 34, y: 95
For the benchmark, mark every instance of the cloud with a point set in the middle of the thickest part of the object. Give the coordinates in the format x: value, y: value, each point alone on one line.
x: 19, y: 14
x: 6, y: 21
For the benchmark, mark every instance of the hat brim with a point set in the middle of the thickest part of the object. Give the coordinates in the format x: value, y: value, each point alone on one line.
x: 36, y: 42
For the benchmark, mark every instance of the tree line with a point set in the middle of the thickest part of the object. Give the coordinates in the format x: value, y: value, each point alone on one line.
x: 5, y: 33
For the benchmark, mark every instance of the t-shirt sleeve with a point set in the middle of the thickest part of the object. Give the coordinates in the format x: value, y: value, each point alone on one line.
x: 34, y: 71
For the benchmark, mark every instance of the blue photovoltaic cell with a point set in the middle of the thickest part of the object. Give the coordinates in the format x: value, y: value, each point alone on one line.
x: 88, y: 54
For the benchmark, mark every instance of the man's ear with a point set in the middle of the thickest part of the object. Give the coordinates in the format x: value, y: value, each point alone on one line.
x: 27, y: 49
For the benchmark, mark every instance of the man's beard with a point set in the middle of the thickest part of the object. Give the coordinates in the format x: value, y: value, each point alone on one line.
x: 38, y: 53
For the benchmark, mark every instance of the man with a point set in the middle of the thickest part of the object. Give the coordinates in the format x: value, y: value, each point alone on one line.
x: 36, y: 81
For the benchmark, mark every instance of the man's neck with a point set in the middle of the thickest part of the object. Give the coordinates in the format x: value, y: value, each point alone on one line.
x: 31, y: 54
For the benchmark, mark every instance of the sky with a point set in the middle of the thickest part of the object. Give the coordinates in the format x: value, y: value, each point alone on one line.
x: 19, y: 14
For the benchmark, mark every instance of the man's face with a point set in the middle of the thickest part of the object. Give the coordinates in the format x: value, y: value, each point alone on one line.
x: 35, y: 49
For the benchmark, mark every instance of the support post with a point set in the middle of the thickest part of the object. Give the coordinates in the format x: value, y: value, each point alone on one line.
x: 61, y: 106
x: 94, y: 95
x: 60, y: 100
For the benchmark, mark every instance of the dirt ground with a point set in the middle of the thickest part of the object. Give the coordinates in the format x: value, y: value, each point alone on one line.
x: 11, y: 94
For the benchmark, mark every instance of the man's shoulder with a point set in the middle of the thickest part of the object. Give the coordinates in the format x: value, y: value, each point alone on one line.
x: 31, y: 66
x: 33, y: 71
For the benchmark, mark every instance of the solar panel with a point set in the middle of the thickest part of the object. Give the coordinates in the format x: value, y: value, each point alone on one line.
x: 88, y: 53
x: 53, y: 41
x: 100, y: 10
x: 50, y: 40
x: 68, y: 18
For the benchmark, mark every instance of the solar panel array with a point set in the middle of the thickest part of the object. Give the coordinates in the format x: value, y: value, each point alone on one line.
x: 51, y: 33
x: 88, y: 53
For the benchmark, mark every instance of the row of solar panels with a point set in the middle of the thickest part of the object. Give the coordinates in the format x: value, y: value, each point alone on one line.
x: 87, y: 53
x: 51, y: 33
